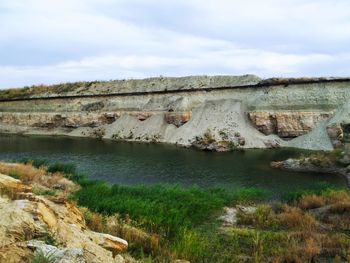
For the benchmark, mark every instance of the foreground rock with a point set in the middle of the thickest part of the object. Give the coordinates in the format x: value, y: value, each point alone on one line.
x: 308, y: 165
x: 32, y: 224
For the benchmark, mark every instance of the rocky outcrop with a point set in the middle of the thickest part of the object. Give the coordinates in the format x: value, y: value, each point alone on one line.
x: 177, y: 118
x: 52, y: 120
x: 29, y: 221
x: 313, y: 165
x: 266, y: 113
x: 287, y: 124
x: 335, y: 134
x: 11, y: 185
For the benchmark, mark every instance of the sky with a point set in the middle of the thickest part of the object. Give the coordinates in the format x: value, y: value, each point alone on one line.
x: 55, y: 41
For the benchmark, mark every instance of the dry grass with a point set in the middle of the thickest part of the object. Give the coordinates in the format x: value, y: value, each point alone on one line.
x: 115, y: 226
x: 340, y: 208
x: 25, y: 172
x: 311, y: 202
x: 337, y: 196
x: 333, y: 244
x: 321, y: 160
x: 94, y: 221
x: 135, y: 236
x: 312, y: 248
x: 295, y: 218
x: 43, y: 182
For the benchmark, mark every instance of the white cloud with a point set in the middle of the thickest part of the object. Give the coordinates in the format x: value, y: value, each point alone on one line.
x: 66, y: 40
x: 236, y: 61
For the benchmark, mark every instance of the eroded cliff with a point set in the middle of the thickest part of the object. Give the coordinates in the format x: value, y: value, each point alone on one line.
x: 215, y: 113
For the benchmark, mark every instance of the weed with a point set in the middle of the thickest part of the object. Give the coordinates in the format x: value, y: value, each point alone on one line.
x: 39, y: 191
x: 223, y: 135
x: 41, y: 257
x: 14, y: 174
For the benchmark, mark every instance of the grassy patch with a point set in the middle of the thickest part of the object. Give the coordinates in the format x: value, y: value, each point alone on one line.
x: 167, y: 222
x: 160, y: 208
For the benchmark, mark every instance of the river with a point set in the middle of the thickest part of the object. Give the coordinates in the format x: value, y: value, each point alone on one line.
x: 139, y: 163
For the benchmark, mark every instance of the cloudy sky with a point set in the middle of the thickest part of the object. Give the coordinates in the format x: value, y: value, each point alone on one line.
x: 51, y: 41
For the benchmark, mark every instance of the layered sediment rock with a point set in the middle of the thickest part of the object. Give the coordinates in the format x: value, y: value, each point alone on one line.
x: 287, y: 124
x: 266, y: 113
x: 177, y: 118
x: 57, y: 119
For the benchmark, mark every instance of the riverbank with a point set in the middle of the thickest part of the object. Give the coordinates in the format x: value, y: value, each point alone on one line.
x: 167, y: 223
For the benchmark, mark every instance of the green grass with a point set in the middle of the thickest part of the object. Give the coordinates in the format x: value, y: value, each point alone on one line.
x: 185, y: 218
x: 186, y: 221
x: 35, y: 162
x: 14, y: 174
x: 48, y: 192
x: 41, y: 257
x: 159, y: 208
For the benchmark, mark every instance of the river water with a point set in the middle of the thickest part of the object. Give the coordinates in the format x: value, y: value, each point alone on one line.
x: 136, y: 163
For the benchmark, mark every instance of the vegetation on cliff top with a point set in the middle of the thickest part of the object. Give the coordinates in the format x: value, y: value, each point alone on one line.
x: 28, y: 91
x: 25, y: 92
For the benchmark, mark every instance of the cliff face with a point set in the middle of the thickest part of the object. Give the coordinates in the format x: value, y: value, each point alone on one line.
x: 216, y: 113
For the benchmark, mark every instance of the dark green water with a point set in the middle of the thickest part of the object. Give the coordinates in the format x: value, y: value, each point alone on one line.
x: 133, y: 163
